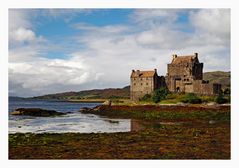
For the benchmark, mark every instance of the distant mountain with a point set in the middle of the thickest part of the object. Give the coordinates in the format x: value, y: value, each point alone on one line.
x: 221, y: 77
x: 109, y: 93
x: 15, y: 98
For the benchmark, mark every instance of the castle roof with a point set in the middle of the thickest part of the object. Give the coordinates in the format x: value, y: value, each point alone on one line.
x: 143, y: 74
x: 184, y: 59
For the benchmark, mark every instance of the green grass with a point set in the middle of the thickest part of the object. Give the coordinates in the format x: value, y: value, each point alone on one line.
x: 170, y: 101
x: 172, y: 98
x: 174, y: 113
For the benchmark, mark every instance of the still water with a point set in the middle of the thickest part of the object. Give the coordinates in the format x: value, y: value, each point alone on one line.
x: 74, y: 122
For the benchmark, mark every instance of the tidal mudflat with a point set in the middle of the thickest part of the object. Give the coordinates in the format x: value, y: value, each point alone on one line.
x: 172, y: 134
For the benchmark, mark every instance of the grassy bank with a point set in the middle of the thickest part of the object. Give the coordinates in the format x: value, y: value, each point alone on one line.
x: 165, y: 112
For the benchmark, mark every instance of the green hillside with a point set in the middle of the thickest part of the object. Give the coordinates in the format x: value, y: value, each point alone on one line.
x: 221, y: 77
x: 109, y: 93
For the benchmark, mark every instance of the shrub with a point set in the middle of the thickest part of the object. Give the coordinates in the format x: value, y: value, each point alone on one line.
x: 227, y: 91
x: 159, y: 94
x: 191, y: 98
x: 146, y: 97
x: 206, y: 98
x: 220, y: 99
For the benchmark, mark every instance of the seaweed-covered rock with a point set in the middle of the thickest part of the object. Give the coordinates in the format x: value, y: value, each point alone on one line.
x: 90, y: 110
x: 36, y: 112
x: 84, y: 109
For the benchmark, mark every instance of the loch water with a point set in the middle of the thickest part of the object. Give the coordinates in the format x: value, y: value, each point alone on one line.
x: 72, y: 122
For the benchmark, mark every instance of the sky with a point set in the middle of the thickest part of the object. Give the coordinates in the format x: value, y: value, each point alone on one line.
x: 59, y: 50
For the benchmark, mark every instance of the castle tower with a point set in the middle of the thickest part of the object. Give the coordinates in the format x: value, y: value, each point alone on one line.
x: 142, y: 82
x: 183, y: 70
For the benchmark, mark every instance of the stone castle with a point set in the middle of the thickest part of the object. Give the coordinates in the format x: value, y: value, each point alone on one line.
x: 185, y: 74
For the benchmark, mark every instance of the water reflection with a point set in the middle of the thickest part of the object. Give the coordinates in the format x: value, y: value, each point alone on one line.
x: 81, y: 123
x: 76, y: 122
x: 139, y: 125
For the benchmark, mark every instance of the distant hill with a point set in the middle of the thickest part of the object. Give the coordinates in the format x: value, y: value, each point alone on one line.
x: 15, y: 98
x: 221, y: 77
x: 109, y: 93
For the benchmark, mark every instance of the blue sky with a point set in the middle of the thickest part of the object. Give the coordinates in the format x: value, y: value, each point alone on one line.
x: 57, y: 50
x: 57, y: 30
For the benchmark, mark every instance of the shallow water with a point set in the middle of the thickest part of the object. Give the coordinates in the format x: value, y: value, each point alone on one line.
x: 74, y: 122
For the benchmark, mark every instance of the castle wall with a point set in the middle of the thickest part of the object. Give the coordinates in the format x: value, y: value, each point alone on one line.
x: 140, y: 86
x: 189, y: 88
x: 180, y: 70
x: 200, y: 87
x: 197, y: 71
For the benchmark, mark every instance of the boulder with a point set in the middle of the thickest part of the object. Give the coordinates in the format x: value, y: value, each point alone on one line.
x: 84, y: 109
x: 88, y: 110
x: 97, y: 108
x: 107, y: 102
x: 36, y: 112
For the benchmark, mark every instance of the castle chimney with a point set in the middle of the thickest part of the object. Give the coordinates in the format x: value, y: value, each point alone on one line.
x: 138, y: 72
x: 196, y: 55
x: 133, y: 70
x: 174, y: 56
x: 155, y: 70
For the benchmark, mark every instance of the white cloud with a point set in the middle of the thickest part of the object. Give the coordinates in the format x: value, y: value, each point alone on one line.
x: 21, y: 28
x: 110, y: 52
x: 109, y: 29
x: 19, y: 18
x: 213, y: 22
x: 151, y: 17
x: 38, y: 74
x: 163, y: 37
x: 22, y: 35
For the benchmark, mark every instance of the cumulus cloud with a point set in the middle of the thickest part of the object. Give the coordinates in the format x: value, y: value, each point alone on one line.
x: 22, y: 35
x: 103, y: 56
x: 215, y: 22
x: 41, y: 73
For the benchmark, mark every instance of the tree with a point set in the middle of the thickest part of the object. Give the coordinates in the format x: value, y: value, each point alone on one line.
x: 227, y: 91
x: 159, y: 94
x: 191, y: 98
x: 220, y: 99
x: 146, y: 97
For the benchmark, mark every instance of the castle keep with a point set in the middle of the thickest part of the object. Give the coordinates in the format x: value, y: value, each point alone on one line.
x: 184, y: 74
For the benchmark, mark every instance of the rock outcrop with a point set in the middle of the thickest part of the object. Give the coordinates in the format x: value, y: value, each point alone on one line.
x: 36, y: 112
x: 89, y: 110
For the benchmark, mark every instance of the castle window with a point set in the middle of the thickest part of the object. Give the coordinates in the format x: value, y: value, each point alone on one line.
x: 146, y: 83
x: 187, y: 79
x: 141, y: 83
x: 141, y: 78
x: 147, y: 78
x: 134, y: 83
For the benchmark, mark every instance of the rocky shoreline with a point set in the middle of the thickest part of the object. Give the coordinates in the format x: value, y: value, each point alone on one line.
x: 38, y: 112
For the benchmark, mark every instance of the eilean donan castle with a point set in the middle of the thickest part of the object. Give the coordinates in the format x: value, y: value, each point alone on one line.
x: 184, y: 74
